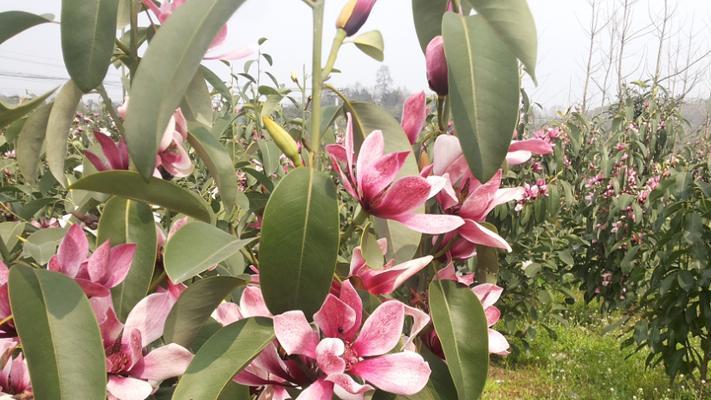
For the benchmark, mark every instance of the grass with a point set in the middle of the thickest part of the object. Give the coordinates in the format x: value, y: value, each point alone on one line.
x: 582, y: 363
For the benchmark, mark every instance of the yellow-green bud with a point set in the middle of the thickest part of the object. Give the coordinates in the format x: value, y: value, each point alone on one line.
x: 283, y: 140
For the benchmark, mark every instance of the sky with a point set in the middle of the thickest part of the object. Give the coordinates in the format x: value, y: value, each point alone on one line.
x: 33, y: 61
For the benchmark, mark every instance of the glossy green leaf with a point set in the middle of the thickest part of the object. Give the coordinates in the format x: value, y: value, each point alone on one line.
x: 513, y: 22
x: 197, y: 103
x: 30, y: 140
x: 460, y: 323
x: 88, y: 32
x: 58, y: 125
x: 427, y: 16
x: 371, y: 250
x: 128, y: 221
x: 192, y: 310
x: 60, y: 337
x: 226, y: 353
x: 196, y: 247
x: 368, y: 117
x: 220, y: 166
x: 483, y: 90
x: 440, y: 385
x: 166, y: 71
x: 10, y: 233
x: 9, y: 114
x: 154, y: 191
x: 299, y: 245
x: 487, y: 264
x: 217, y: 83
x: 41, y: 245
x: 14, y: 22
x: 371, y: 43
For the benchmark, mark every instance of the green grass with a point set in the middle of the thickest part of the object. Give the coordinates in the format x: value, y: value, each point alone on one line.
x: 582, y: 363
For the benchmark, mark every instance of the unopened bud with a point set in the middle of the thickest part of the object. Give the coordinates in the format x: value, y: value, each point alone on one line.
x: 283, y: 140
x: 437, y: 66
x: 353, y: 15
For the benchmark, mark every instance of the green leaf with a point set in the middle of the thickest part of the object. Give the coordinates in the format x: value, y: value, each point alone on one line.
x: 220, y: 166
x: 14, y: 22
x: 197, y: 103
x: 225, y: 354
x: 9, y: 114
x: 60, y: 337
x: 427, y: 16
x: 299, y: 245
x: 166, y: 71
x: 440, y: 385
x: 514, y: 24
x: 371, y: 250
x: 460, y: 323
x: 371, y: 43
x: 58, y: 125
x: 128, y: 221
x: 155, y: 191
x: 30, y: 140
x: 41, y: 245
x: 10, y: 233
x: 192, y: 310
x: 487, y: 263
x: 367, y: 117
x: 483, y: 90
x: 216, y: 82
x: 88, y: 32
x: 196, y: 247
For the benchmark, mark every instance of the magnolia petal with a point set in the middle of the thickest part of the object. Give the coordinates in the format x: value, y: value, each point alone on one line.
x: 433, y: 224
x: 420, y: 319
x: 476, y: 233
x: 437, y: 184
x: 492, y: 315
x: 350, y: 296
x: 72, y: 251
x: 110, y: 150
x: 449, y: 273
x: 381, y: 173
x: 295, y: 334
x: 517, y: 157
x: 414, y: 115
x: 478, y: 201
x: 127, y: 388
x: 97, y: 162
x: 319, y: 390
x: 388, y: 280
x: 346, y: 388
x: 370, y: 152
x: 252, y: 303
x: 328, y: 356
x: 503, y: 196
x: 402, y: 196
x: 149, y: 315
x: 164, y: 362
x: 335, y: 317
x: 446, y: 150
x: 498, y: 343
x: 98, y: 262
x: 404, y: 373
x: 381, y: 331
x: 121, y: 257
x: 337, y: 153
x: 488, y: 293
x: 536, y: 146
x: 227, y: 313
x: 109, y: 325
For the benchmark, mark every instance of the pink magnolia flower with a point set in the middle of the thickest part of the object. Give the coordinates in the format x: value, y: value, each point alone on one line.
x: 134, y: 375
x: 345, y: 350
x: 468, y: 198
x: 353, y: 15
x: 414, y: 115
x: 96, y: 274
x: 371, y: 179
x: 521, y: 151
x: 14, y: 375
x: 488, y: 294
x: 437, y: 73
x: 218, y: 49
x: 390, y: 277
x: 172, y: 156
x: 116, y: 154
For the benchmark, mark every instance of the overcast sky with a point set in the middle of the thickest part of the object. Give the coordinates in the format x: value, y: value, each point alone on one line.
x: 36, y: 54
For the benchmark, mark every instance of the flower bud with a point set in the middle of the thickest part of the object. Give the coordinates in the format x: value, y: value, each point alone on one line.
x: 353, y: 15
x: 437, y: 66
x: 283, y: 140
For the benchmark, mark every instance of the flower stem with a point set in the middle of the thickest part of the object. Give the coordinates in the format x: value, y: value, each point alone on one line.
x: 317, y: 8
x: 335, y: 47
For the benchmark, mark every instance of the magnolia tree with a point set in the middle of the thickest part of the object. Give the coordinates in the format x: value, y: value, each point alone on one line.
x: 198, y: 243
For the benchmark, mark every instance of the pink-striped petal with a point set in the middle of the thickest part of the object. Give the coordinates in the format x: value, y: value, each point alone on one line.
x: 380, y: 282
x: 110, y: 150
x: 518, y: 157
x: 252, y: 304
x: 97, y: 162
x: 414, y: 115
x: 350, y: 296
x: 328, y: 356
x: 98, y: 263
x: 227, y: 313
x: 109, y: 325
x: 478, y: 201
x: 492, y: 315
x: 404, y: 373
x: 164, y: 362
x: 381, y: 331
x: 536, y: 146
x: 420, y: 319
x: 370, y: 152
x: 149, y: 315
x: 498, y: 343
x: 335, y: 317
x: 381, y: 173
x: 120, y: 260
x: 488, y: 293
x: 476, y: 233
x: 127, y: 388
x: 401, y: 197
x: 319, y: 390
x: 72, y: 251
x: 346, y: 388
x: 295, y: 334
x: 503, y: 196
x: 445, y: 152
x: 432, y: 224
